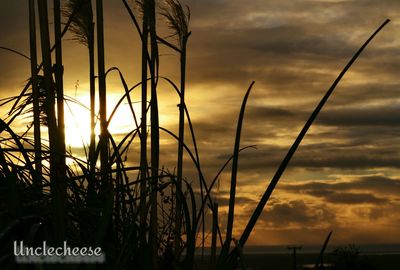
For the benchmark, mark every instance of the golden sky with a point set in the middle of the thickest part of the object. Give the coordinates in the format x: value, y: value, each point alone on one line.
x: 345, y: 175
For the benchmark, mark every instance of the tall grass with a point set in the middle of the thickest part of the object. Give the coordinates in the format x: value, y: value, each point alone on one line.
x: 58, y: 190
x: 59, y: 84
x: 35, y: 93
x: 103, y: 141
x: 143, y: 133
x: 178, y: 21
x: 143, y: 216
x: 150, y: 8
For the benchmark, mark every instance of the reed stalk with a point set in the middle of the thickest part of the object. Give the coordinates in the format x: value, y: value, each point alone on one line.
x: 155, y: 136
x: 57, y: 191
x: 59, y: 90
x: 235, y: 164
x: 178, y: 22
x: 320, y: 262
x: 92, y: 146
x: 35, y: 94
x: 143, y: 128
x: 58, y: 71
x: 82, y: 27
x: 103, y: 141
x: 214, y: 237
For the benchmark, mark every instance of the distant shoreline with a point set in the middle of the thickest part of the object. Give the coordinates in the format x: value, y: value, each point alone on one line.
x: 284, y: 261
x: 366, y: 249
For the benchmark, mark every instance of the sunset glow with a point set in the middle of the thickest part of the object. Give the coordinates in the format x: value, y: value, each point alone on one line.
x: 344, y: 176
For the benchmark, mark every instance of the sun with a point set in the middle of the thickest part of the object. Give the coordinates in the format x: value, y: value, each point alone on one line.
x: 77, y: 125
x: 77, y: 120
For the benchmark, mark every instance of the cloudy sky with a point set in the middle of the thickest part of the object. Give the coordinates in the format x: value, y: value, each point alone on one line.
x: 345, y: 175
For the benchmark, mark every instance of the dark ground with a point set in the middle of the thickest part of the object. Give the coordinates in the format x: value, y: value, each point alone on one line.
x: 285, y: 261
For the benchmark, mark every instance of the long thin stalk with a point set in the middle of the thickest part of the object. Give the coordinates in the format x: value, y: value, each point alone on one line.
x: 58, y: 70
x: 92, y: 146
x: 103, y: 142
x: 59, y: 89
x: 92, y: 93
x: 181, y: 136
x: 35, y: 93
x: 56, y: 189
x: 143, y: 133
x: 214, y: 236
x: 155, y: 136
x: 235, y: 164
x: 320, y: 258
x: 178, y: 21
x: 83, y: 30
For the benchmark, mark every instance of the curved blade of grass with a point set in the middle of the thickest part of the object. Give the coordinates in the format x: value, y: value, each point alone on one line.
x: 231, y: 261
x: 16, y: 52
x: 134, y: 20
x: 4, y: 126
x: 257, y: 212
x: 321, y: 254
x: 235, y: 162
x: 127, y: 91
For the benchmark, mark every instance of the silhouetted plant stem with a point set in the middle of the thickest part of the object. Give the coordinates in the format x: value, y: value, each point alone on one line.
x: 320, y: 262
x: 82, y: 27
x: 143, y: 133
x: 35, y: 93
x: 178, y: 21
x: 235, y: 164
x: 92, y: 146
x: 155, y: 136
x: 92, y: 85
x: 181, y: 140
x: 59, y: 89
x: 58, y: 70
x: 103, y: 141
x: 214, y: 237
x: 56, y: 187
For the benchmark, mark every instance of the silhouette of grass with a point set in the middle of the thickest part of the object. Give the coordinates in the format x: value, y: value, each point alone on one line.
x: 143, y: 216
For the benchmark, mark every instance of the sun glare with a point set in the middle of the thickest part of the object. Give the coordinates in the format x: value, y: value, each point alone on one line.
x: 77, y: 120
x: 77, y: 125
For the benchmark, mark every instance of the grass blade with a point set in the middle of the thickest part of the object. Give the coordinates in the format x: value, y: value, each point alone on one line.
x: 235, y: 161
x: 264, y: 199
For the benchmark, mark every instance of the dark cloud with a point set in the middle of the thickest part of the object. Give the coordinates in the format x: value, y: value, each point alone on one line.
x: 378, y: 116
x: 367, y: 189
x: 346, y: 198
x: 318, y: 156
x: 268, y: 113
x: 371, y: 213
x: 239, y: 200
x: 297, y: 212
x: 293, y: 50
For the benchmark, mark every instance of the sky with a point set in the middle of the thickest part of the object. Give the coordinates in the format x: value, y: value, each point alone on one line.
x: 344, y: 176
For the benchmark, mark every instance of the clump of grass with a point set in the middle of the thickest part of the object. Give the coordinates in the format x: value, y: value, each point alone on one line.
x: 143, y: 216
